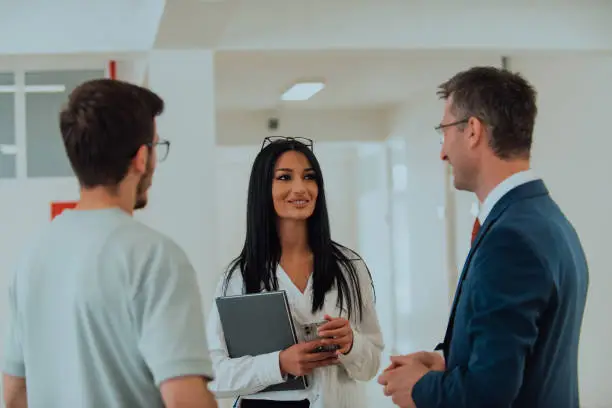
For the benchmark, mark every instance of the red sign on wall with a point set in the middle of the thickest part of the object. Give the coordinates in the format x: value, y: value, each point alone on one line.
x: 58, y: 206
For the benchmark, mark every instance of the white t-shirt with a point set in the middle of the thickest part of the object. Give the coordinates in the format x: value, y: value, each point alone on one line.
x: 102, y: 310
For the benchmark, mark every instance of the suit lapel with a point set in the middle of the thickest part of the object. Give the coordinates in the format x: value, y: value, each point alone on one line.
x: 527, y: 190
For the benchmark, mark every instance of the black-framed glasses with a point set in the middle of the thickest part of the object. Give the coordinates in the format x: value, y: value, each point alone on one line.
x: 440, y: 128
x: 272, y: 139
x: 162, y: 148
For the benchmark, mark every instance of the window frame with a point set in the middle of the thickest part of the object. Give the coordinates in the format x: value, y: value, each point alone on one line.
x: 5, y: 146
x: 18, y: 66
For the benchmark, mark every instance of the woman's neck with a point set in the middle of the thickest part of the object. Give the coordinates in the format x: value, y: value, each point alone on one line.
x: 293, y: 236
x: 296, y: 256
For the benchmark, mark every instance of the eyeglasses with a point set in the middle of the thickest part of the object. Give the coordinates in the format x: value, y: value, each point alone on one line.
x: 440, y: 128
x: 162, y: 148
x: 272, y: 139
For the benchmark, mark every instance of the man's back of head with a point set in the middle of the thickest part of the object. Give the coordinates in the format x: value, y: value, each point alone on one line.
x: 108, y: 129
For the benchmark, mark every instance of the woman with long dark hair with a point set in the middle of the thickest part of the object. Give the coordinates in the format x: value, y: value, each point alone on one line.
x: 288, y: 246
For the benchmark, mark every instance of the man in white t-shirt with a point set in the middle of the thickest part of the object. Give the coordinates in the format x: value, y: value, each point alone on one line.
x: 104, y: 311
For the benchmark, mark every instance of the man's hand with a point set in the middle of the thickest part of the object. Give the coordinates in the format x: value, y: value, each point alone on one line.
x: 15, y: 391
x: 399, y: 378
x: 187, y: 392
x: 432, y: 360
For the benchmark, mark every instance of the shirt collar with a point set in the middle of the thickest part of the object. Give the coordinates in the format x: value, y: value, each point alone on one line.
x: 502, y: 189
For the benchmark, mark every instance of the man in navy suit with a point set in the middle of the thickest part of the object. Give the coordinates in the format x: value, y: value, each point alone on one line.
x: 513, y: 333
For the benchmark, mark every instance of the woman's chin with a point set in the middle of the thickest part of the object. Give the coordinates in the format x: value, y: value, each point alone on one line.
x: 298, y: 214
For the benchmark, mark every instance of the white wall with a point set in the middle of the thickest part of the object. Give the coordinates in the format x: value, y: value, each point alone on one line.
x: 571, y: 153
x: 368, y: 171
x: 181, y: 200
x: 237, y: 127
x: 24, y: 209
x: 418, y: 229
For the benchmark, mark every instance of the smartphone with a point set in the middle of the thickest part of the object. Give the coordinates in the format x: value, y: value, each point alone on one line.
x: 311, y: 332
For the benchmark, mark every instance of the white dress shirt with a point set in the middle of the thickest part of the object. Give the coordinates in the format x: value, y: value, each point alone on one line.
x: 502, y: 189
x: 338, y: 386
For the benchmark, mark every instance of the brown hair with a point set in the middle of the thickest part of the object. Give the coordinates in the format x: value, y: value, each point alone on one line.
x: 503, y: 101
x: 103, y: 125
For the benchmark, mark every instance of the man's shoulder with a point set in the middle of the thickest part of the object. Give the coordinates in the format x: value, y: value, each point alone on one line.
x: 535, y: 220
x: 105, y: 230
x: 140, y: 237
x: 529, y: 232
x: 516, y: 231
x: 149, y: 258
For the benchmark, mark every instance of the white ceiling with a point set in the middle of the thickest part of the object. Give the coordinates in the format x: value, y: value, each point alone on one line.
x: 64, y: 26
x: 371, y: 53
x: 194, y: 23
x: 565, y: 25
x: 354, y: 79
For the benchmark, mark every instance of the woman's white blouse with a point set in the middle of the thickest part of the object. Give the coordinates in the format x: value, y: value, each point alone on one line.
x: 340, y: 386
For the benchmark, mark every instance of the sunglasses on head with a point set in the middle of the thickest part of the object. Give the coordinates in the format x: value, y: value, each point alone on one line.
x: 272, y: 139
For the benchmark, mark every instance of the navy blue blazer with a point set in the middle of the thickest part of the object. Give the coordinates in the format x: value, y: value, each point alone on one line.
x: 512, y: 337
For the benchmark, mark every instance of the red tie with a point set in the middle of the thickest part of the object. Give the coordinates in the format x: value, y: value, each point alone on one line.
x: 475, y: 229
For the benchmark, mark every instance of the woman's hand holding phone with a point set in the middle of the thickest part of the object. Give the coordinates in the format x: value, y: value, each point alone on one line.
x: 338, y: 331
x: 300, y: 359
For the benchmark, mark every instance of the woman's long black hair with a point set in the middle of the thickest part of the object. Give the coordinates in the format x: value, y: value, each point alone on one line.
x: 261, y: 252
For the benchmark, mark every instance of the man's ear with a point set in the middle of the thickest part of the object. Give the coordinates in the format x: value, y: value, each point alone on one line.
x: 140, y: 160
x: 476, y: 131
